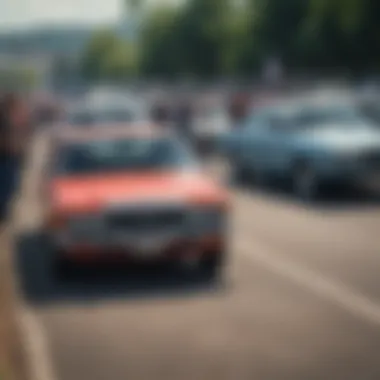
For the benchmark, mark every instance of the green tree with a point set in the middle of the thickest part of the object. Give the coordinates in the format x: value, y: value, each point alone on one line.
x: 161, y: 47
x: 108, y: 57
x: 276, y: 27
x: 355, y: 29
x: 205, y: 26
x: 198, y: 38
x: 210, y: 38
x: 349, y: 14
x: 17, y: 78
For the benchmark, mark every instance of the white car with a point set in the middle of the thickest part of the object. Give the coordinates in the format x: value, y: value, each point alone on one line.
x: 100, y: 108
x: 209, y: 125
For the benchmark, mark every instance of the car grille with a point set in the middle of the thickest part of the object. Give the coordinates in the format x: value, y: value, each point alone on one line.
x: 145, y: 220
x: 88, y: 227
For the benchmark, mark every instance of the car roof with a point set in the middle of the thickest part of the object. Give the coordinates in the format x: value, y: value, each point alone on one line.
x: 296, y: 103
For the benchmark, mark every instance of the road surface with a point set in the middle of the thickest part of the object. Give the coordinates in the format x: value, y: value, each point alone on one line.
x: 301, y: 300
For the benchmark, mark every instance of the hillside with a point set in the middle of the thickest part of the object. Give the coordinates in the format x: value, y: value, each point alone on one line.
x: 48, y: 40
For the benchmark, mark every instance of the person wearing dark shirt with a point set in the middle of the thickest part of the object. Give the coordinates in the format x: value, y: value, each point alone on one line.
x: 238, y: 108
x: 185, y: 119
x: 13, y: 124
x: 160, y: 112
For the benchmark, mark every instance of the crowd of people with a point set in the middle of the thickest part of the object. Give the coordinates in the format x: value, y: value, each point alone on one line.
x: 182, y: 111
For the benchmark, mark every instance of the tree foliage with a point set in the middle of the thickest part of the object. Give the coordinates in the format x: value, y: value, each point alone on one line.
x: 108, y: 57
x: 212, y: 38
x: 17, y: 79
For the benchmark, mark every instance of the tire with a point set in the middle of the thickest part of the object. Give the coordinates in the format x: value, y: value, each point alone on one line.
x: 211, y: 268
x: 33, y: 260
x: 306, y: 184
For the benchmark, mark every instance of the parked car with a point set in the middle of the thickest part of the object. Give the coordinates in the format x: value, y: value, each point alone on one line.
x: 132, y: 195
x: 100, y: 109
x: 369, y: 106
x: 313, y: 143
x: 210, y: 123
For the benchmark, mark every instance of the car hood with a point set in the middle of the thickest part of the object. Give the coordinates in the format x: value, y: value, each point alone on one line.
x: 95, y: 192
x: 350, y: 138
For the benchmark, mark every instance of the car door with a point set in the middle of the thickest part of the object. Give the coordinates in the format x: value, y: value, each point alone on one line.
x: 278, y: 143
x: 255, y: 141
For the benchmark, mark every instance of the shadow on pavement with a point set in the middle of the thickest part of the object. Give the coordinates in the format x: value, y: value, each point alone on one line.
x: 334, y: 199
x: 40, y: 284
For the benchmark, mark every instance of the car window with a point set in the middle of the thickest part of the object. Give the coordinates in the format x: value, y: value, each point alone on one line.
x: 327, y: 115
x: 82, y: 118
x: 291, y: 119
x: 89, y: 117
x: 118, y: 115
x: 107, y: 112
x: 257, y: 120
x: 212, y: 112
x: 279, y: 123
x: 124, y: 155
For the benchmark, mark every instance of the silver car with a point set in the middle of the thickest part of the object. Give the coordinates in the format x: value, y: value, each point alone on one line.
x: 103, y: 108
x: 211, y: 122
x: 312, y: 143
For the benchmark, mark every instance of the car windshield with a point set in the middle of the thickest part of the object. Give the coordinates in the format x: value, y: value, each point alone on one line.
x: 121, y: 155
x: 315, y: 117
x: 101, y: 116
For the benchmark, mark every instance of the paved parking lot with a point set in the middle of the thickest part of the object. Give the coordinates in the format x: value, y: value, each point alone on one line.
x: 301, y: 300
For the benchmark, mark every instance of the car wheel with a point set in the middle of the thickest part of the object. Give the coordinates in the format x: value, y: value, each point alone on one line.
x: 33, y: 261
x: 212, y: 267
x: 305, y: 182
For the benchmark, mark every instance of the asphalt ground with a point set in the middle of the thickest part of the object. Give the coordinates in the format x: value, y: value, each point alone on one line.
x: 300, y: 300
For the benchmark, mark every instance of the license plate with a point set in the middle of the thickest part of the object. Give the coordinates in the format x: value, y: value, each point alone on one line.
x: 147, y: 246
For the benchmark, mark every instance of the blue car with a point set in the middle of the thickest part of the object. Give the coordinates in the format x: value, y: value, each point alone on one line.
x: 314, y: 143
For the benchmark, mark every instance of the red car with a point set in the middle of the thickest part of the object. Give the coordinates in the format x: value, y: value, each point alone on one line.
x: 132, y: 195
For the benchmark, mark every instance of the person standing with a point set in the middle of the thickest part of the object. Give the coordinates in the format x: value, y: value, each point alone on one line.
x: 185, y: 120
x: 238, y: 108
x: 14, y: 132
x: 160, y: 112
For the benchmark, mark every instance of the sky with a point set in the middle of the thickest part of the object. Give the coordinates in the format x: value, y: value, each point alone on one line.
x: 16, y: 14
x: 21, y: 14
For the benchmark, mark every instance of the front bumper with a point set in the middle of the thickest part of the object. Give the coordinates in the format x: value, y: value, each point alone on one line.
x: 174, y: 251
x: 360, y: 179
